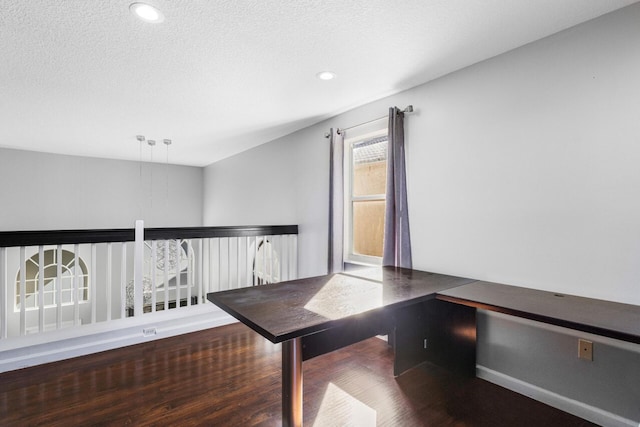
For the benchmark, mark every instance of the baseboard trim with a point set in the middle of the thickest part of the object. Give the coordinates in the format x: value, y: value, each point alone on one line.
x: 103, y: 339
x: 574, y: 407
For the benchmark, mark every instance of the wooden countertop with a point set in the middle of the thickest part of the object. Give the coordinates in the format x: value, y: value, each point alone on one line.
x: 287, y: 310
x: 606, y: 318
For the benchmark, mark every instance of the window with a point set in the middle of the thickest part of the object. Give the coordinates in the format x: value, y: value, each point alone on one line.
x: 365, y: 189
x: 51, y: 282
x: 179, y: 258
x: 266, y: 264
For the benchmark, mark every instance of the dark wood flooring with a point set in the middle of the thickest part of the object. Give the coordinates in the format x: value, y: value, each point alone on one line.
x: 230, y: 376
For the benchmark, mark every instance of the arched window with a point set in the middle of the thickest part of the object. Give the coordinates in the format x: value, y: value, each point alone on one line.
x: 266, y: 264
x: 52, y: 283
x: 179, y: 257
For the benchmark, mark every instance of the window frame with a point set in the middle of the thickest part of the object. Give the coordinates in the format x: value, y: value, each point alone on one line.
x: 68, y: 271
x: 349, y: 256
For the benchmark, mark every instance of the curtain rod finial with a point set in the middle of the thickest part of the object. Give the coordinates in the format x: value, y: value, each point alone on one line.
x: 409, y: 109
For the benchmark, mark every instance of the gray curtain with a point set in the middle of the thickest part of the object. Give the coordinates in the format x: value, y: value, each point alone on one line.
x: 397, y: 242
x: 336, y: 202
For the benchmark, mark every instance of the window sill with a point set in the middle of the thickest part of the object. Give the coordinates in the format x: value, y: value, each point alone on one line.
x: 357, y: 265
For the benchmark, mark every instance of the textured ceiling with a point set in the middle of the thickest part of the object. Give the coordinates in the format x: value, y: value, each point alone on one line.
x: 84, y: 77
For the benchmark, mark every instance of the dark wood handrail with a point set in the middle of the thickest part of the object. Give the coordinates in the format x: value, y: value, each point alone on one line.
x: 65, y: 237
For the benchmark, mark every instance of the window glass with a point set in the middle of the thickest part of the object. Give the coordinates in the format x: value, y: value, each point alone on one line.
x: 365, y: 188
x: 370, y: 167
x: 368, y: 227
x: 51, y: 281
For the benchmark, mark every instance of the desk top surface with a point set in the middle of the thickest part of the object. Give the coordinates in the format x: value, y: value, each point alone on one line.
x: 287, y: 310
x: 606, y: 318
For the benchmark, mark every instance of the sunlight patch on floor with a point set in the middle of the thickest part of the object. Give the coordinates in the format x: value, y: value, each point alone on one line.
x: 339, y: 408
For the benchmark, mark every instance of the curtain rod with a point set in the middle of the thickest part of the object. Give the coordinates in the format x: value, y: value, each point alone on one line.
x: 408, y: 109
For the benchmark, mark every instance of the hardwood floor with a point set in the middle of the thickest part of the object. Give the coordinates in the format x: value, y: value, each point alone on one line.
x: 230, y: 376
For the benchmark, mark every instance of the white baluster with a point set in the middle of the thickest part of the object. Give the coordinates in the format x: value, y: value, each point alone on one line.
x: 166, y: 275
x: 208, y: 256
x: 23, y: 292
x: 3, y: 294
x: 294, y: 256
x: 59, y: 287
x: 238, y: 255
x: 138, y: 265
x: 178, y: 273
x: 249, y: 279
x: 284, y: 258
x: 264, y: 260
x: 219, y: 266
x: 41, y: 288
x: 229, y: 263
x: 278, y: 257
x: 93, y: 287
x: 109, y: 277
x: 189, y: 274
x: 254, y: 265
x: 200, y: 271
x: 123, y: 281
x: 76, y: 284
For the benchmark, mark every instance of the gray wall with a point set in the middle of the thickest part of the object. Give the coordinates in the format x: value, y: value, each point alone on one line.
x: 541, y: 361
x: 47, y: 191
x: 282, y: 182
x: 522, y: 169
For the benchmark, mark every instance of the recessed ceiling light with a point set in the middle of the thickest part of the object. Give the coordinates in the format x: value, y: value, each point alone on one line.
x: 326, y: 75
x: 146, y: 12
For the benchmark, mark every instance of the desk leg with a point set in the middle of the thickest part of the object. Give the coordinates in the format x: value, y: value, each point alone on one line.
x: 292, y: 383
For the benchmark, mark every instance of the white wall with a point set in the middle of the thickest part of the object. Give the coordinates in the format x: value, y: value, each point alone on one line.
x: 282, y: 182
x: 268, y: 195
x: 523, y: 169
x: 42, y: 191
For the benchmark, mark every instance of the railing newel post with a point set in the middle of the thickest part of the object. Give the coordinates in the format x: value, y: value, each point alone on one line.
x: 152, y: 272
x: 138, y: 267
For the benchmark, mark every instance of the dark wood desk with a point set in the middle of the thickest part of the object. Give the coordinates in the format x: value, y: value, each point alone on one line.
x: 604, y: 318
x: 317, y: 315
x: 428, y: 317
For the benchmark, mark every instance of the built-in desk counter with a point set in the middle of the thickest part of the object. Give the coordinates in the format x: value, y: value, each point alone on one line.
x: 428, y: 317
x: 605, y: 318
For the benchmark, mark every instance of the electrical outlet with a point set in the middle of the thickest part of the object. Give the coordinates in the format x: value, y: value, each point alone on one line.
x: 147, y: 332
x: 585, y: 350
